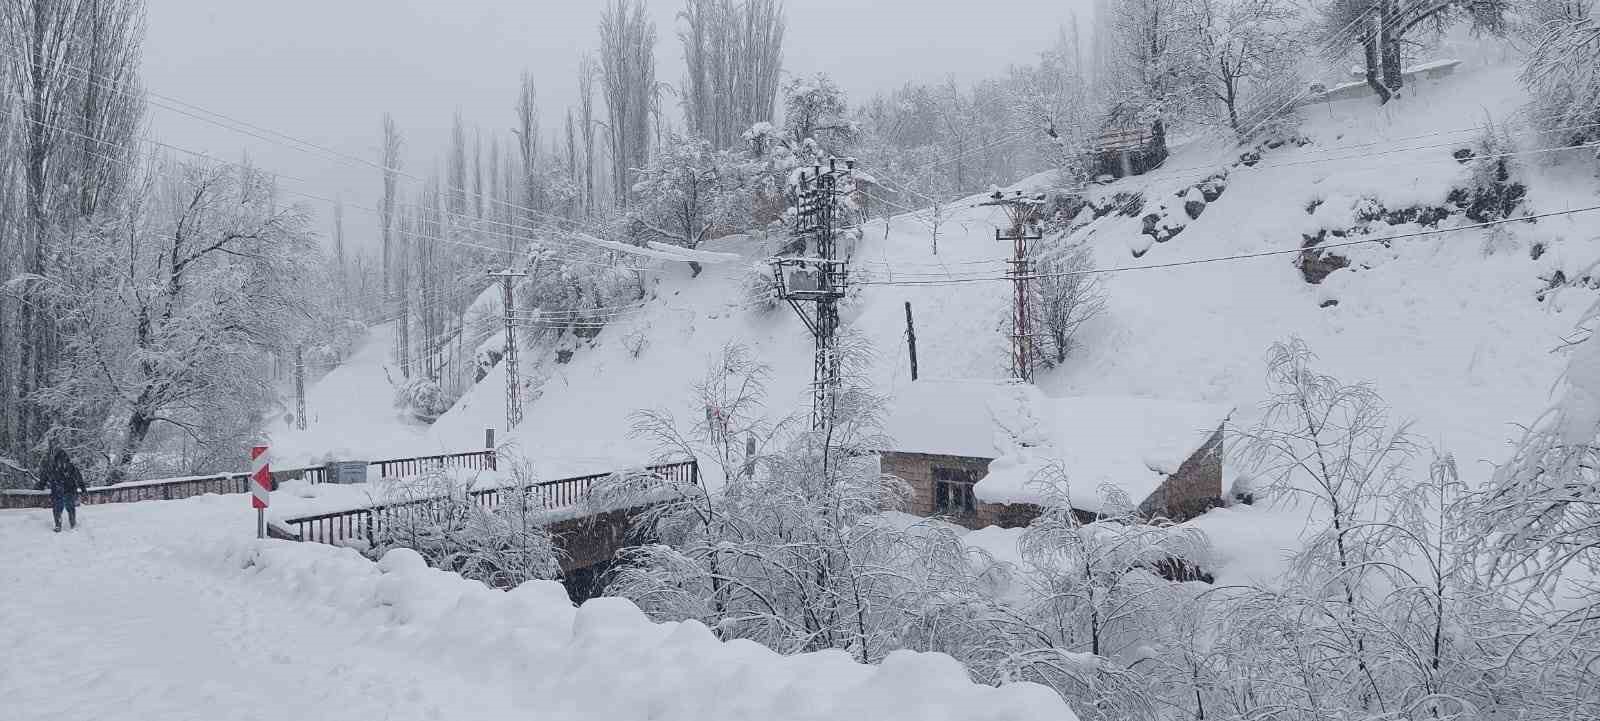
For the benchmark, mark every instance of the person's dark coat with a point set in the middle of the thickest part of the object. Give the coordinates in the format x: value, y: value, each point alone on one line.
x: 60, y: 475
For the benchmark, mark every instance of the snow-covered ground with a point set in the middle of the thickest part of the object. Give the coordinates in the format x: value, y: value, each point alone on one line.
x: 350, y: 413
x: 171, y: 610
x: 1449, y: 327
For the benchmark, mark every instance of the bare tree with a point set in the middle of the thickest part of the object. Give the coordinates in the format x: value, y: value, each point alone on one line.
x: 527, y: 132
x: 391, y: 181
x: 628, y: 75
x: 733, y: 52
x: 587, y: 70
x: 1069, y: 295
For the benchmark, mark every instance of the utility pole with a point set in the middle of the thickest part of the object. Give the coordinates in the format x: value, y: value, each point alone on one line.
x: 911, y: 340
x: 819, y: 279
x: 299, y: 387
x: 513, y: 384
x: 1024, y: 213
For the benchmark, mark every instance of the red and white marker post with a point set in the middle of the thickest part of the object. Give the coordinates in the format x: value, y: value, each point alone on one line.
x: 260, y: 486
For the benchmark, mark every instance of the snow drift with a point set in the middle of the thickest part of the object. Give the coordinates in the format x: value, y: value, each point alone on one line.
x: 605, y: 659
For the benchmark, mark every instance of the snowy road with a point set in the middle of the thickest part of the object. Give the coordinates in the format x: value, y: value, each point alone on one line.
x: 170, y: 610
x: 107, y: 623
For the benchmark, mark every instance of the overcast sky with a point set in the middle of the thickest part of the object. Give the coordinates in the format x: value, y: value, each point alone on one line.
x: 326, y: 70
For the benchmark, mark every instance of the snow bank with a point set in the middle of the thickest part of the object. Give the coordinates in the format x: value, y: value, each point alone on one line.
x: 606, y: 659
x: 1132, y: 444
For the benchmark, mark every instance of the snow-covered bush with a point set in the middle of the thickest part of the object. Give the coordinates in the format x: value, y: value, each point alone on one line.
x: 1492, y: 189
x: 759, y: 288
x: 422, y: 399
x: 636, y: 341
x: 437, y: 515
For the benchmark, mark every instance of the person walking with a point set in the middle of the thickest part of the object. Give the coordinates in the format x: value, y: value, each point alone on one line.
x: 64, y: 481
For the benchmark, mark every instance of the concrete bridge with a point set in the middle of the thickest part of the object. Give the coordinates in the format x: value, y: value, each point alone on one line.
x: 588, y: 537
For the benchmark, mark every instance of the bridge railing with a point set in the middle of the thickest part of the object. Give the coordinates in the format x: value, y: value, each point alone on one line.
x: 483, y: 460
x: 167, y: 489
x: 362, y: 523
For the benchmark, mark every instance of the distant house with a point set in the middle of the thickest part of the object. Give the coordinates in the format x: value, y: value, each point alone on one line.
x: 971, y: 452
x: 1127, y: 148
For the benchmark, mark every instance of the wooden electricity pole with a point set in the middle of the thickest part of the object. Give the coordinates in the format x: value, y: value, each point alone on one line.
x: 911, y: 340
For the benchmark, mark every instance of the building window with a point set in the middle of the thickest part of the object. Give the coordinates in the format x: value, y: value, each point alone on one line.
x: 952, y: 491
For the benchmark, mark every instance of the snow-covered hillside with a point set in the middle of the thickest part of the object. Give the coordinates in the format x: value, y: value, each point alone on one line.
x: 1455, y: 329
x: 350, y: 412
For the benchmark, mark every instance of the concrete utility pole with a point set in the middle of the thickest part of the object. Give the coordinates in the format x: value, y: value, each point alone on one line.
x: 1024, y: 213
x: 513, y: 385
x: 819, y: 279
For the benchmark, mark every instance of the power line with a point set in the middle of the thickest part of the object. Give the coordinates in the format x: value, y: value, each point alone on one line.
x: 310, y: 196
x: 1246, y: 256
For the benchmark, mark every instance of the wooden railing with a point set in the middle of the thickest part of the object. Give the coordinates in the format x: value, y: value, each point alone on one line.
x: 361, y: 523
x: 167, y: 489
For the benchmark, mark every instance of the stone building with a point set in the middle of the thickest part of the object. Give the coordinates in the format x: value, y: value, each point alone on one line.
x: 975, y: 452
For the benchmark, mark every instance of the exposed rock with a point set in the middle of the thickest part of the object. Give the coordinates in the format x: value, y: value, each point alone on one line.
x: 1315, y: 265
x: 1128, y: 204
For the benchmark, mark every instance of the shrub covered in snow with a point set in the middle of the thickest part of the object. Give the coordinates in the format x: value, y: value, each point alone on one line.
x: 436, y: 516
x: 1493, y: 190
x: 422, y: 399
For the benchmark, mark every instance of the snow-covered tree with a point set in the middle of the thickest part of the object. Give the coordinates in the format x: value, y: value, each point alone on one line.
x: 70, y: 73
x: 1380, y: 29
x: 681, y: 192
x: 1244, y: 58
x: 1562, y: 70
x: 182, y: 296
x: 815, y: 108
x: 1145, y: 51
x: 1052, y: 103
x: 1330, y: 444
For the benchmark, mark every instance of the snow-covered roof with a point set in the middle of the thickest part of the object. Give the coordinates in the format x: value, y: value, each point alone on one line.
x: 1129, y: 442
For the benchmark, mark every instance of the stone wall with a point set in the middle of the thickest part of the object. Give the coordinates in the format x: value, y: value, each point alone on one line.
x: 1194, y: 488
x: 916, y: 469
